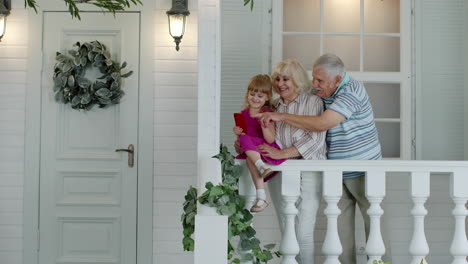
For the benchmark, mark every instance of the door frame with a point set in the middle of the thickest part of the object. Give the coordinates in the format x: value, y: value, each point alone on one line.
x: 33, y: 139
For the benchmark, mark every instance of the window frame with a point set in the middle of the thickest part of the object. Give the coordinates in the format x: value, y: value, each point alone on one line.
x: 403, y: 77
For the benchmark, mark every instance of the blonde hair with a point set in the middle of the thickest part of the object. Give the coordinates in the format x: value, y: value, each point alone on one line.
x: 295, y: 70
x: 259, y: 83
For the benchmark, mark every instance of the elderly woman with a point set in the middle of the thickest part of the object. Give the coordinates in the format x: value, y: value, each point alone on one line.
x: 291, y: 83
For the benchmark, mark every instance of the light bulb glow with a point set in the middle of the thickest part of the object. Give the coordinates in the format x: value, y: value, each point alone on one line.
x: 177, y: 25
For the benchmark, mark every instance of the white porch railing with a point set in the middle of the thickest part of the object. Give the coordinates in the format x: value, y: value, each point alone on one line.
x: 375, y: 192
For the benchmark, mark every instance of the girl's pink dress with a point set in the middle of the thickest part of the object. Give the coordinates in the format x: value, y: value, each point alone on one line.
x: 253, y: 138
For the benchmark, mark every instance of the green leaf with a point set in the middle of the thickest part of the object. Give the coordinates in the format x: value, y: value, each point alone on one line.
x: 104, y: 101
x: 76, y: 100
x: 127, y: 74
x: 103, y: 92
x: 60, y: 57
x: 91, y: 56
x: 189, y: 244
x: 215, y: 191
x: 66, y: 67
x: 83, y: 61
x: 59, y: 96
x: 270, y: 246
x: 250, y: 232
x: 71, y: 81
x: 209, y: 185
x: 85, y: 99
x: 115, y: 76
x: 83, y: 83
x: 227, y: 210
x: 115, y: 86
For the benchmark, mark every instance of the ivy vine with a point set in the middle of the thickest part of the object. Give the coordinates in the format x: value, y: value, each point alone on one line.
x: 227, y: 201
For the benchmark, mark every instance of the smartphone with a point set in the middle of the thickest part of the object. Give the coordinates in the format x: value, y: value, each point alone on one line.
x: 240, y: 121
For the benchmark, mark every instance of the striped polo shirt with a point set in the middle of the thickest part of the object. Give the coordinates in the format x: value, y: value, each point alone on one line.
x: 356, y: 137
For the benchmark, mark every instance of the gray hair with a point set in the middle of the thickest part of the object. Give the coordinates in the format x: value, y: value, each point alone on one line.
x: 332, y: 64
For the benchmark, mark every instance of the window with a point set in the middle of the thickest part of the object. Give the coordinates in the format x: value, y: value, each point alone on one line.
x: 373, y: 39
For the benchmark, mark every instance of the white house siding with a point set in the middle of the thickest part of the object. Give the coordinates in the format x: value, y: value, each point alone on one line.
x: 13, y: 68
x: 175, y: 132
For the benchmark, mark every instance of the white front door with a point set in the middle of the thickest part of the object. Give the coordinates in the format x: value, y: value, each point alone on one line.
x: 88, y: 191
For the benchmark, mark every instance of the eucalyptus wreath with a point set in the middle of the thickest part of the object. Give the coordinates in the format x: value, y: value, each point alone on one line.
x: 71, y: 85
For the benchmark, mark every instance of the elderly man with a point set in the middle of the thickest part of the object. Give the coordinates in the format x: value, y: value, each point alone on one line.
x: 351, y: 135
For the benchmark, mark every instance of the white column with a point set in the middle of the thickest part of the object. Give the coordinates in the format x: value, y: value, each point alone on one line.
x: 459, y: 194
x: 246, y: 189
x: 420, y: 185
x: 332, y: 190
x: 290, y: 191
x: 375, y: 192
x: 210, y: 228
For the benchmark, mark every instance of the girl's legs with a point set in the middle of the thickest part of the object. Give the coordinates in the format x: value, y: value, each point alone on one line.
x: 256, y: 178
x: 261, y: 203
x: 255, y: 157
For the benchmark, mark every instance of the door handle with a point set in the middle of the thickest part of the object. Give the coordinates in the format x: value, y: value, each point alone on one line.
x: 131, y: 152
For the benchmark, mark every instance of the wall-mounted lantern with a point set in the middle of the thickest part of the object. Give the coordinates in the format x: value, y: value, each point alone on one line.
x: 177, y: 20
x: 4, y: 12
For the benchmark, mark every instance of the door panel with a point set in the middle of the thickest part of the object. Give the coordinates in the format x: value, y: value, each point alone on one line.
x: 88, y: 193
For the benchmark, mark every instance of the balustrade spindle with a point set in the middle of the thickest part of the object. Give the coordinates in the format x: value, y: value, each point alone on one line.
x: 420, y: 185
x: 332, y: 190
x: 375, y: 192
x: 290, y: 191
x: 459, y: 194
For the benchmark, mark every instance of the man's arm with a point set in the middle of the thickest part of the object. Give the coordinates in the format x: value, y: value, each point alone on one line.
x: 321, y: 123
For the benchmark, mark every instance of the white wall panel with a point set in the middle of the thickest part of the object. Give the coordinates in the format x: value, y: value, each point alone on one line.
x: 13, y: 61
x: 175, y: 132
x: 441, y: 70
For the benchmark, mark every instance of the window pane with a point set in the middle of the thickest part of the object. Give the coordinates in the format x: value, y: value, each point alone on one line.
x: 306, y: 49
x: 301, y: 15
x: 382, y: 54
x: 345, y: 47
x: 341, y: 16
x: 385, y: 99
x: 381, y: 16
x: 389, y: 136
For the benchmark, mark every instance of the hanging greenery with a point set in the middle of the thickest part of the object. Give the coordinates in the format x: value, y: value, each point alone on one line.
x: 106, y: 5
x: 227, y: 201
x: 71, y: 85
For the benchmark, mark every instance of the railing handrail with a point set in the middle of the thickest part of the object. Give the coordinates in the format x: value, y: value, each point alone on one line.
x: 366, y: 165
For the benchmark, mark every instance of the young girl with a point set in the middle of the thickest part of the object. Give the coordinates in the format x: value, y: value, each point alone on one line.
x: 257, y: 100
